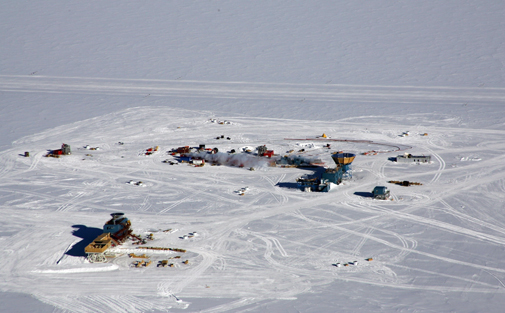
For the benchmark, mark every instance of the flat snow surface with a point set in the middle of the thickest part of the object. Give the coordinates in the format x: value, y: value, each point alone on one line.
x: 125, y: 77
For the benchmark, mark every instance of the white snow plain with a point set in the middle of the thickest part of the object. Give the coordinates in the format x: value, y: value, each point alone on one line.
x: 125, y: 77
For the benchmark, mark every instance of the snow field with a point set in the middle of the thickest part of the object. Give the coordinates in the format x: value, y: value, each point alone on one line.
x: 157, y: 74
x: 275, y: 242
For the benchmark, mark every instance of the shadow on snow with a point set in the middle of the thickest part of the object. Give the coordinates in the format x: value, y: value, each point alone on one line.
x: 316, y: 172
x: 88, y: 234
x: 364, y: 194
x: 288, y: 185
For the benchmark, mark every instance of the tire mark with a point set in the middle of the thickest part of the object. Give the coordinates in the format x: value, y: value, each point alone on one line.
x: 71, y: 203
x: 279, y: 246
x: 440, y: 168
x: 35, y: 161
x: 278, y: 191
x: 360, y: 244
x: 146, y: 205
x: 449, y: 209
x: 439, y: 224
x: 7, y: 166
x: 242, y: 302
x: 423, y: 220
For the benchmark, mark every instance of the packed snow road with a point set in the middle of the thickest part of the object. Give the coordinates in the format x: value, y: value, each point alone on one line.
x: 249, y: 90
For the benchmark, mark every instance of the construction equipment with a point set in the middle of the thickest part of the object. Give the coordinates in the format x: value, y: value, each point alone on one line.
x: 142, y: 263
x: 163, y: 263
x: 140, y: 256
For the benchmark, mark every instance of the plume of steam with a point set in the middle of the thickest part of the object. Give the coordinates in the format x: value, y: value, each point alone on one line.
x: 299, y: 160
x: 239, y: 159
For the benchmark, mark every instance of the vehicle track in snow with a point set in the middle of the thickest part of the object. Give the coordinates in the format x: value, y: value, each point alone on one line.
x: 7, y: 166
x: 146, y: 204
x: 368, y: 226
x: 70, y: 204
x: 35, y: 161
x: 470, y: 219
x: 402, y: 215
x: 278, y: 194
x: 406, y: 249
x: 228, y: 307
x: 367, y: 234
x: 441, y: 166
x: 357, y: 248
x: 434, y: 288
x: 176, y: 203
x: 383, y: 214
